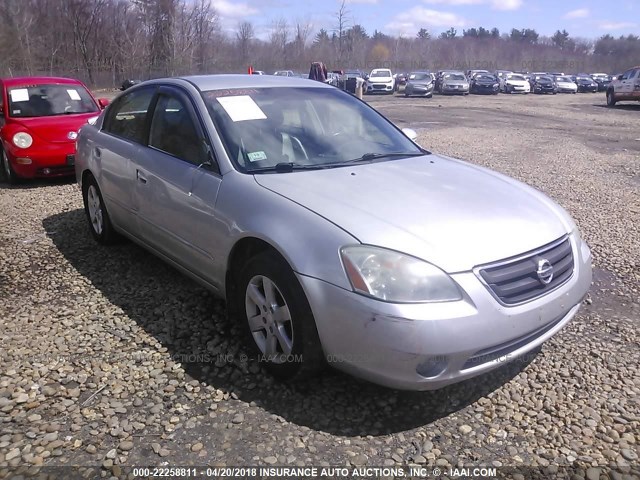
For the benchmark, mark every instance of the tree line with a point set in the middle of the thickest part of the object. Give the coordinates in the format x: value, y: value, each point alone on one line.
x: 106, y: 41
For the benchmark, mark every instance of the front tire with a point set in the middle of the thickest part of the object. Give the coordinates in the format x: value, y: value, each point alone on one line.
x: 277, y: 318
x: 99, y: 222
x: 7, y: 170
x: 611, y: 100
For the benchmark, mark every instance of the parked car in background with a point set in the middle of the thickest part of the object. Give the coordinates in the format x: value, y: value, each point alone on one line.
x: 500, y: 74
x: 128, y: 83
x: 400, y: 79
x: 439, y: 77
x: 515, y: 83
x: 381, y: 80
x: 258, y: 72
x: 484, y: 83
x: 419, y: 83
x: 454, y: 83
x: 564, y: 84
x: 471, y: 73
x: 39, y: 122
x: 352, y: 73
x: 602, y: 79
x: 333, y: 78
x: 624, y: 87
x: 284, y: 73
x: 586, y: 84
x: 543, y: 84
x: 446, y: 273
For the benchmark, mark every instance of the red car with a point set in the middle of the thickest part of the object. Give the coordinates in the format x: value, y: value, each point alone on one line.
x: 39, y: 122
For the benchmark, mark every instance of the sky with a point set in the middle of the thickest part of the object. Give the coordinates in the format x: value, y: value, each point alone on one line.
x: 581, y: 18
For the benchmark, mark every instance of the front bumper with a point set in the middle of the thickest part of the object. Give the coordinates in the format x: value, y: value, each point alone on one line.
x: 429, y: 346
x: 49, y: 160
x: 485, y: 89
x: 379, y: 88
x: 455, y: 90
x: 517, y: 89
x: 419, y: 90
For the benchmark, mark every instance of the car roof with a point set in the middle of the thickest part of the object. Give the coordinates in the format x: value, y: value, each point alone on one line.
x: 18, y: 81
x: 217, y: 82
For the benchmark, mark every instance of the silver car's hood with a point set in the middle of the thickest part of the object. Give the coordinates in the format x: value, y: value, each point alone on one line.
x: 451, y: 213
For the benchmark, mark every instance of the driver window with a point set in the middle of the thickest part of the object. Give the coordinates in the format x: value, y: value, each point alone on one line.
x: 173, y: 131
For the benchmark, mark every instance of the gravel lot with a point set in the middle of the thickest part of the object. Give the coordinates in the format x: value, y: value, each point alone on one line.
x: 110, y: 358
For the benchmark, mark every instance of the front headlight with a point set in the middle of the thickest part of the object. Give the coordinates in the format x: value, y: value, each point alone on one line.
x: 395, y: 277
x: 22, y: 140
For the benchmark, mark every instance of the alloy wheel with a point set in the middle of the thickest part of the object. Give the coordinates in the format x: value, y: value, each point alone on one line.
x: 94, y: 206
x: 269, y: 319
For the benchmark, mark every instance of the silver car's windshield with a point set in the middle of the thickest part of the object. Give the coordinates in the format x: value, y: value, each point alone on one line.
x: 454, y: 76
x: 50, y: 99
x: 303, y: 127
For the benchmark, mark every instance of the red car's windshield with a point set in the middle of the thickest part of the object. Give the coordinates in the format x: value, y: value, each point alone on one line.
x: 48, y: 100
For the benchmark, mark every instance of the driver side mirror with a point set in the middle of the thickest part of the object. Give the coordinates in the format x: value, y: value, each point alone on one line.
x: 103, y: 102
x: 619, y: 77
x: 410, y: 134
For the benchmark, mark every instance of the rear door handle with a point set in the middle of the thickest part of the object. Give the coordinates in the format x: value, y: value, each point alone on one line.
x: 141, y: 177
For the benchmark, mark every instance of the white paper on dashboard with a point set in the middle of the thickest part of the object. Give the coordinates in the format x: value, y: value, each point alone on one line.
x: 19, y: 95
x: 241, y: 108
x: 73, y: 94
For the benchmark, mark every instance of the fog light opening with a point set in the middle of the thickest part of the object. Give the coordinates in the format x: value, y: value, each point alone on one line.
x: 432, y: 366
x: 23, y: 161
x: 46, y: 171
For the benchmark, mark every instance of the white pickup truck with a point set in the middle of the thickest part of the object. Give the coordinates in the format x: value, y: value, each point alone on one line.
x: 625, y: 87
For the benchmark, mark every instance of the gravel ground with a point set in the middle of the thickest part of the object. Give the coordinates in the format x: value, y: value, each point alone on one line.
x: 111, y: 359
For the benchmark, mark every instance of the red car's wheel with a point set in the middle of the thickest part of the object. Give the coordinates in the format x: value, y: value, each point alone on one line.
x: 7, y: 170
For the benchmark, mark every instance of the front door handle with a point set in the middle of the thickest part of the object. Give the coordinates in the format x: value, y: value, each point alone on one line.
x: 141, y: 177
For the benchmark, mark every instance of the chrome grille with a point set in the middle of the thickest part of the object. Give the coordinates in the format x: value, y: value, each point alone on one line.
x: 517, y: 281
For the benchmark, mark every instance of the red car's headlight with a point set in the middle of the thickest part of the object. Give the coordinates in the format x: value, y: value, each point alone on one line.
x: 22, y: 140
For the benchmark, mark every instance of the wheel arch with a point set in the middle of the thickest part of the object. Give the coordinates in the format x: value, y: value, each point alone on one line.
x: 244, y: 249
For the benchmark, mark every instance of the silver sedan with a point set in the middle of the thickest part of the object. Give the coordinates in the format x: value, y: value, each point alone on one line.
x: 332, y: 235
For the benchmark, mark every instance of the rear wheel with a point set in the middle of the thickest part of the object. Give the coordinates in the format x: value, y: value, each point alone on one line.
x: 99, y: 222
x: 7, y: 170
x: 277, y: 317
x: 611, y: 100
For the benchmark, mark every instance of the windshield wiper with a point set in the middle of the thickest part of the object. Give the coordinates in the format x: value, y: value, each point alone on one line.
x: 285, y: 167
x: 367, y: 157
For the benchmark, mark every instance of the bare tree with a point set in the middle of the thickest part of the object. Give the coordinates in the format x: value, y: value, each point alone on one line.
x: 244, y: 36
x: 341, y: 27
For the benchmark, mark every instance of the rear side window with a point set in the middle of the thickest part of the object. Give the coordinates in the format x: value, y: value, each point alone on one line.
x: 127, y: 117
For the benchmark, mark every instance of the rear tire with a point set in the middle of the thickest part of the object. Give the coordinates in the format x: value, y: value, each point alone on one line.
x: 7, y: 170
x: 99, y: 222
x: 275, y: 314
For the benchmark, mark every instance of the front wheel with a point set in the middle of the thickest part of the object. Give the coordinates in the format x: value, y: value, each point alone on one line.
x: 278, y: 318
x: 9, y: 175
x: 611, y: 101
x: 99, y: 222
